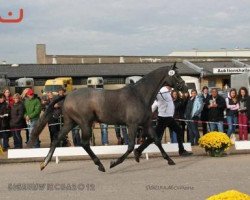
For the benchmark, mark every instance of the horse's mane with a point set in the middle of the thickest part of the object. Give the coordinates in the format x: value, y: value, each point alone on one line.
x: 142, y: 80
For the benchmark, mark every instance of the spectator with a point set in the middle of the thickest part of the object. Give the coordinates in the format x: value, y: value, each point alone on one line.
x: 8, y: 97
x: 23, y: 98
x: 32, y: 113
x: 24, y: 94
x: 243, y: 119
x: 104, y: 133
x: 122, y: 139
x: 140, y: 136
x: 178, y: 114
x: 54, y: 121
x: 204, y: 114
x: 248, y: 108
x: 9, y: 100
x: 17, y: 121
x: 165, y: 119
x: 76, y: 136
x: 232, y: 111
x: 59, y: 107
x: 4, y: 121
x: 193, y: 113
x: 185, y: 97
x: 216, y: 109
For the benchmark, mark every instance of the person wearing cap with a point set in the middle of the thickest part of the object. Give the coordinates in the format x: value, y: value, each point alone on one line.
x: 32, y: 112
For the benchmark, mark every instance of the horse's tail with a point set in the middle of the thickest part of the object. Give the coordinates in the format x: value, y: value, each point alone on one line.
x: 43, y: 120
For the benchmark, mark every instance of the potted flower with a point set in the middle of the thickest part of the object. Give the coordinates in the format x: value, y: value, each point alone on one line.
x: 230, y: 195
x: 215, y: 143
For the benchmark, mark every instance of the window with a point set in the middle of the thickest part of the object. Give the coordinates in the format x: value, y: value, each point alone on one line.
x: 191, y: 86
x: 114, y: 81
x: 211, y: 83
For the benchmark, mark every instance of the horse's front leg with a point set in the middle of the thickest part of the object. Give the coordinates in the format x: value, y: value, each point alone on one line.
x: 132, y: 129
x: 86, y: 135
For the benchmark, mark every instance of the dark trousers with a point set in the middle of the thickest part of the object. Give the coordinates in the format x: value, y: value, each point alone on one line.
x: 5, y: 136
x: 182, y: 125
x: 27, y: 135
x: 18, y: 141
x: 54, y: 129
x: 194, y: 134
x: 169, y: 122
x: 76, y: 136
x: 204, y: 118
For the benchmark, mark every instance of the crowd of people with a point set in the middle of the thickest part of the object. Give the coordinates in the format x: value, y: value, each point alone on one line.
x: 21, y: 112
x: 181, y: 113
x: 213, y: 112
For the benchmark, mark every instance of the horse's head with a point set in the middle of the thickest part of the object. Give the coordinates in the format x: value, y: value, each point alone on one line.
x: 175, y: 81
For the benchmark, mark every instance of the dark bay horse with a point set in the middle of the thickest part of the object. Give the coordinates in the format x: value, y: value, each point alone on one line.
x: 129, y: 106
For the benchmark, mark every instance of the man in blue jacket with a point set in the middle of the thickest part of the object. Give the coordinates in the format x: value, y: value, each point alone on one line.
x: 193, y: 113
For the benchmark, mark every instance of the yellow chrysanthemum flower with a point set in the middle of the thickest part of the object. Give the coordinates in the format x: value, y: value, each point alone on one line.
x: 215, y: 140
x: 230, y: 195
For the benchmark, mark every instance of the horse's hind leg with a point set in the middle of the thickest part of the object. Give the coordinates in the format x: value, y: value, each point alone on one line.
x: 86, y: 136
x: 131, y: 134
x: 152, y: 137
x: 68, y: 125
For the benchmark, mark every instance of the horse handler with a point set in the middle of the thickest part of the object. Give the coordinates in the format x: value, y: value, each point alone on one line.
x: 165, y: 105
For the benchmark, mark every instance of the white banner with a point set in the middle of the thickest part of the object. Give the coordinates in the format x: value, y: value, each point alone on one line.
x: 235, y: 70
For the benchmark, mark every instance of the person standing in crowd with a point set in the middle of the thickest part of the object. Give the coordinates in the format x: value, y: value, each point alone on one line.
x: 204, y: 114
x: 17, y: 121
x: 32, y: 113
x: 76, y: 136
x: 54, y: 121
x: 9, y: 100
x: 122, y: 139
x: 104, y: 133
x: 216, y: 107
x: 4, y: 121
x: 58, y: 108
x: 8, y: 97
x: 232, y: 111
x: 242, y: 117
x: 185, y: 97
x: 178, y: 114
x: 165, y: 105
x: 193, y: 113
x: 23, y: 98
x: 141, y: 136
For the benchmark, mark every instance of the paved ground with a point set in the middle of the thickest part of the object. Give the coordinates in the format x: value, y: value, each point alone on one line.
x: 196, y: 177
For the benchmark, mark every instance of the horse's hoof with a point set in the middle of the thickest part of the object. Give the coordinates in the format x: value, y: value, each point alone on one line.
x: 137, y: 155
x: 113, y: 164
x: 171, y: 162
x: 101, y: 168
x: 42, y: 166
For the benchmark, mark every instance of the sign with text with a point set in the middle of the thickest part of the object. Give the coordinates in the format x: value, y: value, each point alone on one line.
x: 233, y: 70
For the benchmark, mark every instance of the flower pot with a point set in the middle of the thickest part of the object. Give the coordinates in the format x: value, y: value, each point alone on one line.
x: 216, y: 152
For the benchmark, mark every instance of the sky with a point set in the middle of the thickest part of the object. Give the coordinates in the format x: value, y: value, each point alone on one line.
x: 122, y: 27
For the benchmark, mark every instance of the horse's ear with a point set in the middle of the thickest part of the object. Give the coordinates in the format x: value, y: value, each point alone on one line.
x: 174, y: 66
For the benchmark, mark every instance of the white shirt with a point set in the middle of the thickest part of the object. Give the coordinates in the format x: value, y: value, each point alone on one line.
x: 164, y: 103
